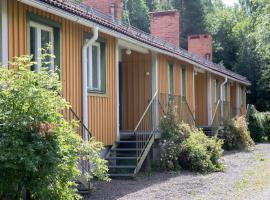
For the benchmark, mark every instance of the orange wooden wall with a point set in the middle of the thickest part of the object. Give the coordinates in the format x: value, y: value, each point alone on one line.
x: 177, y: 73
x: 136, y: 87
x: 201, y: 97
x: 102, y: 109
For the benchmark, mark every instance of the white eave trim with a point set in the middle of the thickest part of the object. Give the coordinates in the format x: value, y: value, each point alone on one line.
x: 85, y: 22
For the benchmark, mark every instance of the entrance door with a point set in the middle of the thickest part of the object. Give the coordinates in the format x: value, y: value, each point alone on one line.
x: 201, y: 99
x: 135, y: 88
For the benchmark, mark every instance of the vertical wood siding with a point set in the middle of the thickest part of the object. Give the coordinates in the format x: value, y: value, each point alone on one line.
x: 102, y: 111
x: 201, y: 99
x: 177, y: 73
x: 136, y: 87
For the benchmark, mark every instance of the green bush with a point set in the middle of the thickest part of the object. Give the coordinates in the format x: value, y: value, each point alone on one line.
x: 267, y: 125
x: 187, y: 147
x: 235, y: 134
x: 39, y: 149
x: 255, y: 121
x: 201, y: 153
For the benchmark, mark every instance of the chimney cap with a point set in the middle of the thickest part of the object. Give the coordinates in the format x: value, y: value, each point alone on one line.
x: 164, y: 12
x: 194, y: 36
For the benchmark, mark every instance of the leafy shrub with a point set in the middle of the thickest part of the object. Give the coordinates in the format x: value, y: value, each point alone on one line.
x: 235, y: 134
x: 39, y: 149
x: 187, y: 147
x: 201, y: 153
x: 267, y: 125
x: 255, y: 121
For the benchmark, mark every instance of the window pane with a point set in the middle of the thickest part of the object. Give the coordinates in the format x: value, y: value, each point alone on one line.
x: 95, y: 68
x: 33, y: 46
x: 45, y: 40
x: 1, y: 59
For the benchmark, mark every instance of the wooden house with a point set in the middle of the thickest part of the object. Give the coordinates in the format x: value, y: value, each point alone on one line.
x: 119, y: 79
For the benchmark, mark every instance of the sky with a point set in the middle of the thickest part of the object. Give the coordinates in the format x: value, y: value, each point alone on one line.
x: 230, y: 2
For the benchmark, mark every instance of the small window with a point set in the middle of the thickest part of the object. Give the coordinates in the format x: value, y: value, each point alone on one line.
x: 96, y: 72
x: 225, y: 92
x: 216, y: 91
x: 1, y: 44
x: 40, y: 37
x: 170, y: 79
x: 184, y: 83
x: 241, y: 96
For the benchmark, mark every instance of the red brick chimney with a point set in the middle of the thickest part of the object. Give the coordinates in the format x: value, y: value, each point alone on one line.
x: 165, y: 25
x: 108, y: 7
x: 201, y: 45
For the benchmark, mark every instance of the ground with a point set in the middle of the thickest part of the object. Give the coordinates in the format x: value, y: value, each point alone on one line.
x: 246, y: 177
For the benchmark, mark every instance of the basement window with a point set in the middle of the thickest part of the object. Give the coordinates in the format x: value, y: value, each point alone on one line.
x: 96, y: 72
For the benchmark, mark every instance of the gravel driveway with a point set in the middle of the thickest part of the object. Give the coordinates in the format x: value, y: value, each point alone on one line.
x: 246, y: 177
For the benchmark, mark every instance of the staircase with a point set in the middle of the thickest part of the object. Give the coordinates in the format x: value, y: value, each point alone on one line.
x: 128, y: 154
x: 82, y: 183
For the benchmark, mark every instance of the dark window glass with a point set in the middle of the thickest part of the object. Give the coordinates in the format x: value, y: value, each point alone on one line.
x: 33, y: 46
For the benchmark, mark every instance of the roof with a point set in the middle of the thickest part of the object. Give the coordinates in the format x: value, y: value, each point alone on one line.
x: 88, y: 13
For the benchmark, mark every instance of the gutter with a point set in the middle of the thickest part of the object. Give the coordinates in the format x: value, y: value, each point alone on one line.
x: 88, y: 43
x: 221, y: 94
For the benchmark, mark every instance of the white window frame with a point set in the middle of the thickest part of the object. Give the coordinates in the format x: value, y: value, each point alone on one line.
x: 90, y: 69
x: 39, y: 27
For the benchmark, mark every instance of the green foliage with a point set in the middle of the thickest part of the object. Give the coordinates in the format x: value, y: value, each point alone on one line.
x: 235, y: 135
x: 135, y: 12
x: 39, y: 149
x: 255, y: 121
x: 187, y: 147
x: 267, y: 125
x: 201, y: 153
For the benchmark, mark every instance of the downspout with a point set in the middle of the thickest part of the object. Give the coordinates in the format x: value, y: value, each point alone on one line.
x: 87, y: 43
x: 221, y: 94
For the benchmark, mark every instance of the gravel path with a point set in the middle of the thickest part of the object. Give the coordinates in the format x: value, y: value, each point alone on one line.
x: 246, y: 177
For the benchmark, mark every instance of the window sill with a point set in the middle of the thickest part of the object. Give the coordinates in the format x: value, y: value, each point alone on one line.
x: 97, y: 93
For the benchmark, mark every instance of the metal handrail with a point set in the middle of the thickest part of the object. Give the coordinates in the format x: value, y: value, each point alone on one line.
x: 182, y: 105
x: 215, y: 113
x: 144, y: 135
x: 146, y: 110
x: 191, y: 113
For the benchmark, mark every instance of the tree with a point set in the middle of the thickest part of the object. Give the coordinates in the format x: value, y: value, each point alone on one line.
x: 135, y: 12
x: 39, y: 149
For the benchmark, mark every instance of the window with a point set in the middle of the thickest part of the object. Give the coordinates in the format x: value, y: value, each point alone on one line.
x: 226, y: 92
x: 96, y: 72
x: 184, y: 83
x: 40, y: 37
x: 216, y: 91
x: 170, y: 79
x: 241, y: 96
x: 3, y: 33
